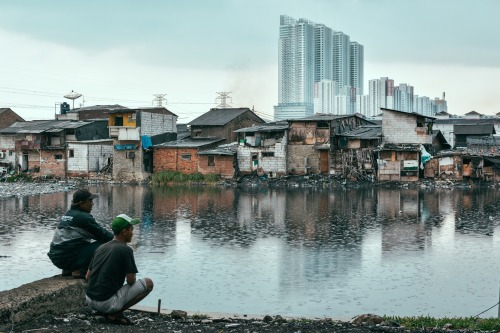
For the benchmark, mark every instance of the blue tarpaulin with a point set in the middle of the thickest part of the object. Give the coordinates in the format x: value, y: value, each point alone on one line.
x: 146, y: 141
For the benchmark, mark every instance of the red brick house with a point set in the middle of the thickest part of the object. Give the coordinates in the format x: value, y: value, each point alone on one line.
x: 219, y: 161
x: 182, y: 155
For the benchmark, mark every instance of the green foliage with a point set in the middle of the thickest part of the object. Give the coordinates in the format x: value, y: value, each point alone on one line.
x: 470, y: 323
x: 18, y: 178
x: 175, y: 177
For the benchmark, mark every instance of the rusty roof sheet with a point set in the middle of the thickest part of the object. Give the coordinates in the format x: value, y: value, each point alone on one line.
x: 476, y: 129
x: 43, y: 126
x: 189, y: 143
x: 268, y: 127
x: 228, y: 149
x: 364, y: 132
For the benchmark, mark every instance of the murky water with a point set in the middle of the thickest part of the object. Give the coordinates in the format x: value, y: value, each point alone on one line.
x: 298, y: 252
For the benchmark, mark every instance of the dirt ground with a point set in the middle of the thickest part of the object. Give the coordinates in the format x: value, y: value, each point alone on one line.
x: 86, y: 320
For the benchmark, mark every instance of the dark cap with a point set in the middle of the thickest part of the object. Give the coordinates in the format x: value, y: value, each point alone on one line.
x: 82, y: 195
x: 123, y: 221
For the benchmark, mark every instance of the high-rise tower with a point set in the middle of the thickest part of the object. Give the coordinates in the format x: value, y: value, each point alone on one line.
x: 356, y: 64
x: 315, y: 65
x: 296, y: 69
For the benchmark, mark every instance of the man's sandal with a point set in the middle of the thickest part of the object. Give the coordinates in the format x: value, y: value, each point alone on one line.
x: 119, y: 320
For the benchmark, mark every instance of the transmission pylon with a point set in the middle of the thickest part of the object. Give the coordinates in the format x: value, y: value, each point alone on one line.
x: 222, y: 99
x: 159, y: 98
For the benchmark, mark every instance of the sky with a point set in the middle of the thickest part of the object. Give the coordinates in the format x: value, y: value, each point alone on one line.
x: 125, y: 52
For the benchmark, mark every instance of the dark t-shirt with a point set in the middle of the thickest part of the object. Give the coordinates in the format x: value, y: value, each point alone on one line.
x: 111, y: 262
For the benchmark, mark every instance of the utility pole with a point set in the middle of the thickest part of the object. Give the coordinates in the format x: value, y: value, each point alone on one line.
x: 159, y: 98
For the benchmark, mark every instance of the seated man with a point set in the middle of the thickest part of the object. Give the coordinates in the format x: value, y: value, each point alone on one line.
x: 114, y: 263
x: 77, y: 236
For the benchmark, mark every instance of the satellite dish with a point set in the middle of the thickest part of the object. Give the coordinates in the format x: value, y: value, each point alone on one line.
x: 73, y: 95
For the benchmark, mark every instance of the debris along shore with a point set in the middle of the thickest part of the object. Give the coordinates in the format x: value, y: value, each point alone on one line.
x: 179, y: 322
x: 21, y: 188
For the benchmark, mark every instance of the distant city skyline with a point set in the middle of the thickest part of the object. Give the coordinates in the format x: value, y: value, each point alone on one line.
x: 125, y: 52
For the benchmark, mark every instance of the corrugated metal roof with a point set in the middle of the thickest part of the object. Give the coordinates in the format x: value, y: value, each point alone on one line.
x: 321, y: 117
x: 229, y: 149
x: 364, y: 132
x: 400, y: 147
x: 467, y: 121
x: 412, y: 113
x: 269, y: 127
x: 42, y: 126
x: 158, y: 110
x: 219, y: 117
x: 100, y: 107
x: 188, y: 143
x: 477, y: 129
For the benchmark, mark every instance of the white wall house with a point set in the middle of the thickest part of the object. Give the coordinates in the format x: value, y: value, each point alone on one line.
x: 90, y: 156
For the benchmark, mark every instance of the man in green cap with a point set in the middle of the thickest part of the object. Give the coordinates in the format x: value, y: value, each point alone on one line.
x: 112, y: 264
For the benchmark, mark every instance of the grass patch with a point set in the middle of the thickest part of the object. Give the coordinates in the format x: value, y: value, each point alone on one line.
x: 470, y: 323
x: 175, y: 177
x: 18, y: 178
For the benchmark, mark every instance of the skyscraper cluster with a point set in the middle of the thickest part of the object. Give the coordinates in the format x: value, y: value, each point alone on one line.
x: 322, y: 71
x: 383, y: 93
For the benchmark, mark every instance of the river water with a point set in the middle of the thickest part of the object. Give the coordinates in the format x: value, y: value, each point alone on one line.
x: 295, y: 252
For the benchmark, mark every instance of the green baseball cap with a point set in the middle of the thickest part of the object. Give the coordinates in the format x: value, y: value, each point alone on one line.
x: 123, y: 221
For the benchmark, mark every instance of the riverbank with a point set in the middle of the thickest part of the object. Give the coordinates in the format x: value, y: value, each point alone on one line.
x: 85, y: 320
x: 22, y: 188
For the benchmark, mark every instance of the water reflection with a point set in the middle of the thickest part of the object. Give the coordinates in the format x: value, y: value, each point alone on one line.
x: 304, y: 252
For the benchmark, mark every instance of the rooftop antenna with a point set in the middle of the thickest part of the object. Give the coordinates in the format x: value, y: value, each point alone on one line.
x: 73, y: 95
x: 159, y: 98
x: 223, y: 97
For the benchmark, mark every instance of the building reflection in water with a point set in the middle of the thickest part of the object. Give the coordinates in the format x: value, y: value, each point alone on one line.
x: 282, y: 246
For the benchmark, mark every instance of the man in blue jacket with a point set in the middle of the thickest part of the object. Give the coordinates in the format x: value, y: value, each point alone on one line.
x: 77, y: 236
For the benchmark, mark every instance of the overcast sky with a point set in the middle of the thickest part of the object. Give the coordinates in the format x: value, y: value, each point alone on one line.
x: 124, y: 52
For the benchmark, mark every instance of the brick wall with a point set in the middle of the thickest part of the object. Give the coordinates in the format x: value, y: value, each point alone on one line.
x: 223, y: 165
x: 8, y: 117
x: 268, y: 164
x: 400, y: 128
x: 300, y: 156
x: 156, y: 123
x: 125, y: 168
x: 52, y: 166
x: 171, y: 159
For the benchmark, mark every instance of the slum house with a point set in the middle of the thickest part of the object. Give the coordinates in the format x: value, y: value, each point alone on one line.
x: 445, y: 165
x: 182, y: 156
x: 262, y: 149
x: 311, y: 139
x: 481, y: 158
x: 399, y: 157
x: 7, y: 118
x: 221, y: 123
x: 40, y: 146
x: 220, y: 161
x: 445, y: 122
x: 134, y: 132
x: 87, y: 112
x: 90, y: 159
x: 357, y: 152
x: 464, y: 131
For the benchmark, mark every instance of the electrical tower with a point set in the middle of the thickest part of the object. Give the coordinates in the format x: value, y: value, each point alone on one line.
x: 223, y: 97
x: 159, y: 98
